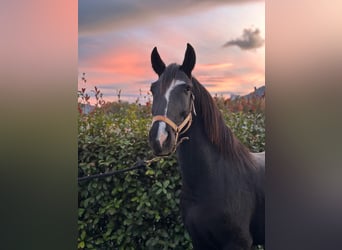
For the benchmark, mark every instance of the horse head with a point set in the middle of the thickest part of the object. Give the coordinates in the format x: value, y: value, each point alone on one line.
x: 173, y: 102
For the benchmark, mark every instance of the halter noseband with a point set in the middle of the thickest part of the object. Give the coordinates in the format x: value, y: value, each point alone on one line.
x: 186, y: 123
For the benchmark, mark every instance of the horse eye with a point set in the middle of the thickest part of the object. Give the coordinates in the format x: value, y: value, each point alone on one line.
x: 187, y: 88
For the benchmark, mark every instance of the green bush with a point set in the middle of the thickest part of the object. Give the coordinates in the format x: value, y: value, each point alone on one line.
x: 248, y: 127
x: 137, y: 209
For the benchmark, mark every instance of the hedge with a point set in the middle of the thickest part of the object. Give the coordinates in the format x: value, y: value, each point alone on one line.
x: 137, y: 209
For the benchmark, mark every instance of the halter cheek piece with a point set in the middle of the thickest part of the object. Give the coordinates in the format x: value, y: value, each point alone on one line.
x: 186, y: 123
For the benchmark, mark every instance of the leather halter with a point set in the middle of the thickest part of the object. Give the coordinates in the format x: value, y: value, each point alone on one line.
x: 186, y: 123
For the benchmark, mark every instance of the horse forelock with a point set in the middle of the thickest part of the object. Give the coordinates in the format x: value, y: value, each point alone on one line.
x: 168, y: 76
x: 218, y: 133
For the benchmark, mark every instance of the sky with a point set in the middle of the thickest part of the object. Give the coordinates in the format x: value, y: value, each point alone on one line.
x: 116, y: 38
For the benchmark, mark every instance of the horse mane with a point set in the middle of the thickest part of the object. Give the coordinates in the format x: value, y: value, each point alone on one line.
x: 217, y: 131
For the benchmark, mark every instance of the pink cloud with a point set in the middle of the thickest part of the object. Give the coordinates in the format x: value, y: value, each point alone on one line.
x: 126, y: 61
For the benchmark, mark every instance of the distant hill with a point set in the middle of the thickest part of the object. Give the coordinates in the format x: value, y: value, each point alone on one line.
x: 258, y: 92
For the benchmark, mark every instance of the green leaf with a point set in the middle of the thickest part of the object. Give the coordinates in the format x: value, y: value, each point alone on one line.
x: 166, y: 183
x: 81, y: 245
x: 83, y: 234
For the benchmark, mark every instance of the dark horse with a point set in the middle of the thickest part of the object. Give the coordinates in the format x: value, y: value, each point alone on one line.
x: 222, y: 199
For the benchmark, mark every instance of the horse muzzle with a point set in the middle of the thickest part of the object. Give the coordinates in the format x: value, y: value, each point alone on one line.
x: 161, y: 138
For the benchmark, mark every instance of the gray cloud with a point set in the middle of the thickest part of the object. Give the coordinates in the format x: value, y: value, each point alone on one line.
x: 250, y: 39
x: 107, y: 15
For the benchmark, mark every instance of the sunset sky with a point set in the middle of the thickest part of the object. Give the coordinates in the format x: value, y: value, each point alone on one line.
x: 116, y: 38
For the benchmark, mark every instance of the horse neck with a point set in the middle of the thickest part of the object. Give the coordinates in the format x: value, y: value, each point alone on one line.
x: 204, y: 168
x: 196, y: 157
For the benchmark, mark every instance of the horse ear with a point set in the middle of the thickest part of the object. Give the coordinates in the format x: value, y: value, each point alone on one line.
x: 189, y: 60
x: 157, y: 63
